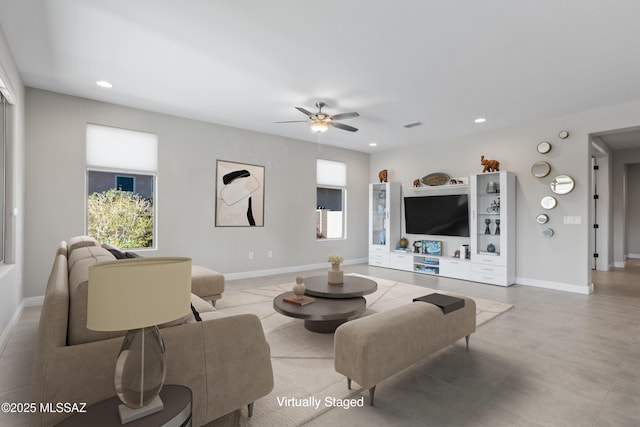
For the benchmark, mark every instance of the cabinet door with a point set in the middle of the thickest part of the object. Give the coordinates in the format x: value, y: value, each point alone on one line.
x: 379, y: 211
x: 488, y: 217
x: 401, y: 261
x: 458, y: 269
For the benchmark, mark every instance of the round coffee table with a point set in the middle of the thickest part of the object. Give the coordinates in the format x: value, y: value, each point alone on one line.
x: 352, y: 287
x: 324, y: 314
x: 333, y: 305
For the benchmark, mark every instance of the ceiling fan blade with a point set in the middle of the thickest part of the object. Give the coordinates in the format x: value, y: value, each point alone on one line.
x: 343, y: 126
x: 345, y: 116
x: 294, y: 121
x: 303, y: 111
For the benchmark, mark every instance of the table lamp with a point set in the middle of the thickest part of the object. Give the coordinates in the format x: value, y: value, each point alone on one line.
x: 137, y: 295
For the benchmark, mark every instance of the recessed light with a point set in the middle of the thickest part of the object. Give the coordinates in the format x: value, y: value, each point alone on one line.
x: 104, y: 83
x: 480, y: 120
x: 373, y: 144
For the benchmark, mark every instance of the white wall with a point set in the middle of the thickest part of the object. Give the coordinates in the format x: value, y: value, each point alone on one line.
x: 186, y: 189
x: 563, y: 261
x: 11, y: 291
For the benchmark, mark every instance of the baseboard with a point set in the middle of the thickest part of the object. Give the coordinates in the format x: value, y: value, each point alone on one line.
x: 33, y: 301
x: 6, y: 334
x: 633, y: 256
x: 619, y: 264
x: 285, y: 270
x: 558, y: 286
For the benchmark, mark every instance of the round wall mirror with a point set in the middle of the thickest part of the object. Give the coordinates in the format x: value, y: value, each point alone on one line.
x: 544, y: 147
x: 547, y: 233
x: 562, y: 184
x: 542, y: 219
x: 540, y: 169
x: 548, y: 202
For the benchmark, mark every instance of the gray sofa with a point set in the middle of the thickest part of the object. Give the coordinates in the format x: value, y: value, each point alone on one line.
x: 224, y: 359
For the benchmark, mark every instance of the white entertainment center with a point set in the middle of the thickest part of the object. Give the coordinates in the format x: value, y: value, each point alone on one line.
x: 491, y: 216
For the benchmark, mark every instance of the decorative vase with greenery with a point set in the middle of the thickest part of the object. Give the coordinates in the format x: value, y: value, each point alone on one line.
x: 336, y: 276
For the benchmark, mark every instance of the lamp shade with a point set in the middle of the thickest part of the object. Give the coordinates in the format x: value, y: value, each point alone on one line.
x: 138, y: 293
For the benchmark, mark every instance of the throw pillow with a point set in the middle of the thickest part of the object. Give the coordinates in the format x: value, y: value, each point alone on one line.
x: 196, y: 314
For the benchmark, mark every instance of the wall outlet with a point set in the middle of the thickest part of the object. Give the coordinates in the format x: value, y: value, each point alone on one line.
x: 251, y: 255
x: 574, y: 220
x: 270, y: 254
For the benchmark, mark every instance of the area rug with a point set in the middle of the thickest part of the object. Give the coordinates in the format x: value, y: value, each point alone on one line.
x: 305, y: 382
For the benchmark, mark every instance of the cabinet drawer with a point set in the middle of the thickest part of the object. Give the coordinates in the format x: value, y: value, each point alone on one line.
x: 494, y: 279
x: 455, y: 268
x: 379, y: 248
x: 489, y: 269
x: 379, y: 259
x: 401, y: 261
x: 489, y: 259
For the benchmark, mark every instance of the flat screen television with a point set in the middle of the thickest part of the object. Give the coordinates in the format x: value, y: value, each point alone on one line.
x: 446, y: 215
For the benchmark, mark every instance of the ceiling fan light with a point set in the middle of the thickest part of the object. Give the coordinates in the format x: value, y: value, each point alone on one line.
x: 318, y: 126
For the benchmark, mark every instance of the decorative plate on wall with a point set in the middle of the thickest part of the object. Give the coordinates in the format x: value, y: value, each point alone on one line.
x: 437, y: 178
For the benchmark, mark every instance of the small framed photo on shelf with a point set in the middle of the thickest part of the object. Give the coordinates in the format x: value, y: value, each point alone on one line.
x: 432, y: 247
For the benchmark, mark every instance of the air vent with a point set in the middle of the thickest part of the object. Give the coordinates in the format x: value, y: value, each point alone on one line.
x: 412, y: 125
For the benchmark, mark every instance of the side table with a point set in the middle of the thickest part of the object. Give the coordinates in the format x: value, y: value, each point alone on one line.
x: 176, y: 412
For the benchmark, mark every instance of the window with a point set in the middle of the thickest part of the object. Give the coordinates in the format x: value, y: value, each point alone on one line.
x: 126, y: 183
x: 331, y: 199
x: 121, y: 174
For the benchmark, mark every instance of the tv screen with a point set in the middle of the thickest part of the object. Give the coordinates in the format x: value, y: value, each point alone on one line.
x: 437, y: 215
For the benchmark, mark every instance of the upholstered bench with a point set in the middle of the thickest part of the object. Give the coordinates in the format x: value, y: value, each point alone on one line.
x: 373, y: 348
x: 206, y: 283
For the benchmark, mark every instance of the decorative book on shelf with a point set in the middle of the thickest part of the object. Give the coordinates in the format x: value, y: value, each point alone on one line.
x: 304, y: 301
x: 446, y: 302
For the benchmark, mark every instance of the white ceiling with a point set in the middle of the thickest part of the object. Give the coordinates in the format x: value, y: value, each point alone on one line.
x: 248, y: 63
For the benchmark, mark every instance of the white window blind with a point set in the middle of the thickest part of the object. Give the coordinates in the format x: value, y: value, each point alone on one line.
x: 331, y: 173
x: 114, y: 148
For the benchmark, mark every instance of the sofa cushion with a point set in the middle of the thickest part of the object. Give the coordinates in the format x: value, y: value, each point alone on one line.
x: 206, y: 283
x: 79, y: 263
x: 95, y: 253
x: 80, y: 242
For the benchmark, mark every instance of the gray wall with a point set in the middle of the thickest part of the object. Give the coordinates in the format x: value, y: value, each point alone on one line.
x: 11, y: 290
x: 622, y: 189
x: 633, y: 211
x: 186, y: 189
x: 561, y: 262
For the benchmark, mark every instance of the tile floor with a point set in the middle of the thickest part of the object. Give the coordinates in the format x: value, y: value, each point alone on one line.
x: 556, y: 359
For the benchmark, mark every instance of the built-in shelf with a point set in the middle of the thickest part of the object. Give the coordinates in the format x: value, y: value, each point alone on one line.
x: 444, y: 189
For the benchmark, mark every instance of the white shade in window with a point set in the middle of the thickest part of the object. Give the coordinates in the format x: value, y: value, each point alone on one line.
x: 114, y: 148
x: 331, y: 173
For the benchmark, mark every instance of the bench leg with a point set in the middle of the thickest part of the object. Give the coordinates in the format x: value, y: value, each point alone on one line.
x: 467, y: 339
x: 349, y: 383
x: 250, y: 409
x: 372, y: 391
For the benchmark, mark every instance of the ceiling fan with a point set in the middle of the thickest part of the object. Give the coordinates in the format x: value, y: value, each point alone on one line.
x: 320, y: 121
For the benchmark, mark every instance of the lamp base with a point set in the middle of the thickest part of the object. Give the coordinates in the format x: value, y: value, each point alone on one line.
x: 128, y: 414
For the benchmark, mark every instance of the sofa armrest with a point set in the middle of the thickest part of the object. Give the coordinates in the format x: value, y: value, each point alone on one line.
x: 225, y: 362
